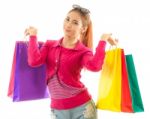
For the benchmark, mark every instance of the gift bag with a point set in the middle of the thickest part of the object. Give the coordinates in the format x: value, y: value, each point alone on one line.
x: 11, y: 82
x: 26, y: 82
x: 126, y: 99
x: 110, y: 81
x: 137, y: 103
x: 117, y: 89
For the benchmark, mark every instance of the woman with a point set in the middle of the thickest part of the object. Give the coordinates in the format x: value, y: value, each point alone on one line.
x: 65, y: 58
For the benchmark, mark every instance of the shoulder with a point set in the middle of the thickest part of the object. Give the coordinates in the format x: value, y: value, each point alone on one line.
x: 83, y: 48
x: 51, y: 43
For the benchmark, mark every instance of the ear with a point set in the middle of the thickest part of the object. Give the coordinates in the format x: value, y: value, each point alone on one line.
x: 83, y: 30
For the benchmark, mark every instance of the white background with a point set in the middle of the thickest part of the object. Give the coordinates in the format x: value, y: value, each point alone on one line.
x: 127, y: 20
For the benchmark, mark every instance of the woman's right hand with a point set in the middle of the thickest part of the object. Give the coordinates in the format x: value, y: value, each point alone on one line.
x: 31, y: 31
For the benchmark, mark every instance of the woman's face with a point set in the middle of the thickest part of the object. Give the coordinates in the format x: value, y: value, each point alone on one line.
x: 73, y: 25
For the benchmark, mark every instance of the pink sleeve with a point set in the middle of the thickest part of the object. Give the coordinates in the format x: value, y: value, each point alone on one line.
x: 95, y: 62
x: 36, y: 56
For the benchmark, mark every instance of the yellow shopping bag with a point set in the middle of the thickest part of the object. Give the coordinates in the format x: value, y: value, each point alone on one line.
x: 110, y: 82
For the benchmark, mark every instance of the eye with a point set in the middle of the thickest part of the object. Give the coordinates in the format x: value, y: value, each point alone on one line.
x: 67, y: 19
x: 75, y: 22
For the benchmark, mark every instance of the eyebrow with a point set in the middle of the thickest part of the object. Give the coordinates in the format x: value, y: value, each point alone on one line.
x: 74, y: 20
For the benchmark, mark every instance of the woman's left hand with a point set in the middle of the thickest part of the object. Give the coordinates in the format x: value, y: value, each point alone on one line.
x: 109, y: 39
x: 112, y: 41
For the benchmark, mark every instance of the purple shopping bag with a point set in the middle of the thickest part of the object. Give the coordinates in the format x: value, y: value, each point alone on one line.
x: 29, y: 82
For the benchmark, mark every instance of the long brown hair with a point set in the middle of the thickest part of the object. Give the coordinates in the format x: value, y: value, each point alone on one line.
x: 87, y: 36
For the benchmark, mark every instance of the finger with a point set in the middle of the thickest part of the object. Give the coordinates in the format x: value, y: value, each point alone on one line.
x: 112, y: 41
x: 116, y: 40
x: 31, y: 27
x: 26, y: 32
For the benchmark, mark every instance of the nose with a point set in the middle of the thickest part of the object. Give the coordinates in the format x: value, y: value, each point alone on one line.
x: 68, y: 25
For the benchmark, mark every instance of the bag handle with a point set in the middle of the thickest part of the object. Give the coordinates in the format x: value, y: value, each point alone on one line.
x: 25, y: 39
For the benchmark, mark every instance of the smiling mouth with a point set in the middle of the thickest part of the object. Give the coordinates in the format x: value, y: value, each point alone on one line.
x: 68, y: 30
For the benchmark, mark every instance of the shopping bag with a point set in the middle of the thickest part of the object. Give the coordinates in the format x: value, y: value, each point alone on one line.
x: 11, y: 82
x: 110, y: 82
x: 126, y: 99
x: 137, y: 103
x: 26, y: 82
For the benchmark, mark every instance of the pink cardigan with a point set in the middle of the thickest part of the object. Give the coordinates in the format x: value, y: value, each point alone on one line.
x: 69, y: 68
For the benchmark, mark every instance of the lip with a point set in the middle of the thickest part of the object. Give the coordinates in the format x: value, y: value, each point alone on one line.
x: 67, y: 30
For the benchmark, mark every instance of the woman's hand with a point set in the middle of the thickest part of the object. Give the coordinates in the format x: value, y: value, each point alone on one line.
x: 109, y: 39
x: 31, y: 31
x: 112, y: 41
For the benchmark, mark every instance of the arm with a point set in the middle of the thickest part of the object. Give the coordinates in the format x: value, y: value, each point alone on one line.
x: 94, y: 62
x: 36, y: 56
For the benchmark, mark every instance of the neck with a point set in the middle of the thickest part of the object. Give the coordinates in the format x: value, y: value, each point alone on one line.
x: 69, y: 42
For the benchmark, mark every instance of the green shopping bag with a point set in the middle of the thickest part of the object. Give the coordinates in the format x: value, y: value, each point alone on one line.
x: 137, y: 103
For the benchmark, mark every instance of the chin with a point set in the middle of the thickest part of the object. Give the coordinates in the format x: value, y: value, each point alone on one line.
x: 68, y: 35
